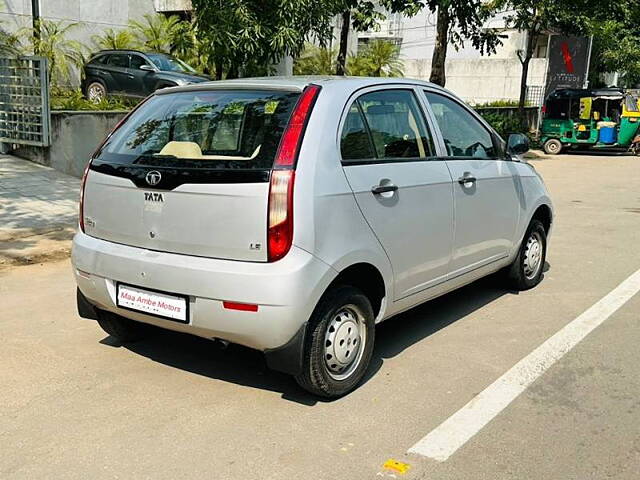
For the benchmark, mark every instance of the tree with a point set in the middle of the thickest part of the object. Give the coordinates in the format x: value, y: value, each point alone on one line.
x: 363, y: 15
x: 616, y: 42
x: 112, y: 39
x: 534, y: 17
x: 315, y: 61
x: 459, y: 21
x: 245, y: 36
x: 156, y: 32
x: 52, y: 43
x: 380, y: 58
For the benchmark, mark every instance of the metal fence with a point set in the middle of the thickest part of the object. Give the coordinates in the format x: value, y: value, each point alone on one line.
x: 24, y: 101
x: 534, y: 95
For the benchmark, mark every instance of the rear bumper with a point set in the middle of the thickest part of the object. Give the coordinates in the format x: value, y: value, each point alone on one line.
x: 286, y: 291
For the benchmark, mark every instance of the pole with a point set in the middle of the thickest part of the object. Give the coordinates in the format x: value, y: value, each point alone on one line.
x: 544, y: 86
x: 35, y: 17
x: 586, y: 74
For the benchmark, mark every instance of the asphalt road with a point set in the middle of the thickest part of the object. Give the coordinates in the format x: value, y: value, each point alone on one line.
x: 75, y: 404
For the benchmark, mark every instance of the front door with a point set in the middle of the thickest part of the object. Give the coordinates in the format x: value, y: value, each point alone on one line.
x: 118, y: 67
x: 404, y: 193
x: 485, y: 187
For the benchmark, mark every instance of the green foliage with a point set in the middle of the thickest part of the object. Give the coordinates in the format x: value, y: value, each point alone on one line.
x: 616, y: 43
x: 379, y: 58
x: 156, y: 32
x: 52, y: 43
x: 503, y: 123
x: 112, y: 39
x: 244, y: 36
x: 497, y: 104
x: 72, y: 99
x: 315, y: 61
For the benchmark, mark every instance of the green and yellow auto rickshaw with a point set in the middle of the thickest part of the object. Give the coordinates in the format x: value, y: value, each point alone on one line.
x: 591, y: 119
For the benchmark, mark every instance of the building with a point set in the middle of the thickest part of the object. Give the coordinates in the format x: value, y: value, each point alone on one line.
x: 92, y: 17
x: 475, y: 78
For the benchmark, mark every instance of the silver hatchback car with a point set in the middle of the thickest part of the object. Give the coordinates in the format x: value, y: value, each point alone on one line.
x: 293, y: 214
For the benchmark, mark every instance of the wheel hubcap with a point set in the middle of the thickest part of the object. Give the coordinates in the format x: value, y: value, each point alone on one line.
x: 344, y: 342
x: 96, y: 93
x: 533, y: 256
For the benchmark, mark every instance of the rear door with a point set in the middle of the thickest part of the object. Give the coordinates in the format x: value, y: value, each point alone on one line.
x: 189, y: 173
x: 485, y: 186
x: 117, y: 66
x: 404, y: 193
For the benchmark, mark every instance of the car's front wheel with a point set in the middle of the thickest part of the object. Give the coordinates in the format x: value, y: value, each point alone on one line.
x: 526, y: 270
x: 553, y: 146
x: 96, y: 91
x: 339, y: 343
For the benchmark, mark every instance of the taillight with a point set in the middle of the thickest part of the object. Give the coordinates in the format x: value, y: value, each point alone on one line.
x: 280, y: 230
x: 280, y: 216
x: 82, y: 185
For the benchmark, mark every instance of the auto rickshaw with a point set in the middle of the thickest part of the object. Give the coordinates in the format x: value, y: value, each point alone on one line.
x: 591, y: 119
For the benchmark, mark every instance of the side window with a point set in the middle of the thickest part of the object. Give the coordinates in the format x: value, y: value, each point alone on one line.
x: 463, y: 134
x: 355, y: 143
x: 137, y: 61
x: 119, y: 60
x: 100, y: 59
x: 396, y: 123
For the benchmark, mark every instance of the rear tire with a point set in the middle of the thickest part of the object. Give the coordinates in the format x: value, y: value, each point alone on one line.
x: 553, y: 146
x: 526, y: 270
x: 122, y: 329
x: 96, y: 91
x: 339, y: 343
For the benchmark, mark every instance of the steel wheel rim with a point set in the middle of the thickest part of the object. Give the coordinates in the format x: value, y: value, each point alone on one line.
x: 344, y: 342
x: 553, y: 147
x: 532, y: 261
x: 96, y: 92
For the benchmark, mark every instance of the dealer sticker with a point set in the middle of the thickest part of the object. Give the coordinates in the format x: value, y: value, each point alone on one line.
x: 154, y: 303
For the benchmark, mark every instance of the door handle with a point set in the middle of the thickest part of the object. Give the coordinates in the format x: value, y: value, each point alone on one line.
x: 467, y: 179
x: 378, y: 189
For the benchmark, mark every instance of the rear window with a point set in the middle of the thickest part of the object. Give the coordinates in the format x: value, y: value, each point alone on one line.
x: 238, y: 129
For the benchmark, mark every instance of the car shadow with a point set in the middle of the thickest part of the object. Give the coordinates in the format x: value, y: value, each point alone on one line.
x: 247, y: 367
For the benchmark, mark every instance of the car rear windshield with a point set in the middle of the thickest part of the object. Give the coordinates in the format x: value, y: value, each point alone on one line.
x: 229, y: 129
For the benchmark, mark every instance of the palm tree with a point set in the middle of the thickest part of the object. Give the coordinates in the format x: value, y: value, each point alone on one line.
x: 157, y: 32
x: 10, y: 45
x: 384, y: 59
x: 63, y: 54
x: 316, y: 61
x: 111, y: 39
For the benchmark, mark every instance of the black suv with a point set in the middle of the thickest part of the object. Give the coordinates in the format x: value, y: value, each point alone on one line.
x: 133, y: 73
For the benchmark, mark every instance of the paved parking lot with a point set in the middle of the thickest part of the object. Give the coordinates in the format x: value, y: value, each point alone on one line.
x: 74, y: 404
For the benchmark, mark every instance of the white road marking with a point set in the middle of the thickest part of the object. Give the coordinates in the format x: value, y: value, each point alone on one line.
x: 453, y: 433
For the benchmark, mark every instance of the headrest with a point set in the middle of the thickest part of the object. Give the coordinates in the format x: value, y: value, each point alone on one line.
x: 182, y: 149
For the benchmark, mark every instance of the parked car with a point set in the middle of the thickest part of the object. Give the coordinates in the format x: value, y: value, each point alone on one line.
x: 134, y: 74
x: 292, y: 215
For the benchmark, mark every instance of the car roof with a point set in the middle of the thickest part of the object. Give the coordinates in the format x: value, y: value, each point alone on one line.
x: 299, y: 82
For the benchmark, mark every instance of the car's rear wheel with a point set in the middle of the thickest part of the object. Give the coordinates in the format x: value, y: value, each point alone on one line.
x: 122, y: 329
x: 339, y: 343
x: 96, y: 91
x: 526, y: 270
x: 553, y: 146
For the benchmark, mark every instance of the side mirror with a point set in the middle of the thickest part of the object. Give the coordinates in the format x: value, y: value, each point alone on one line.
x: 147, y: 68
x: 518, y: 143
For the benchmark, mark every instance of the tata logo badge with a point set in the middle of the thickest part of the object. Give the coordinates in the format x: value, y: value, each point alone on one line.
x: 153, y: 197
x: 153, y: 178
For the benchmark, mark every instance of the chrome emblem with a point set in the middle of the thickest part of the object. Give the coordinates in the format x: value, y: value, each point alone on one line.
x: 153, y: 177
